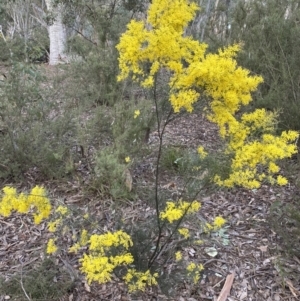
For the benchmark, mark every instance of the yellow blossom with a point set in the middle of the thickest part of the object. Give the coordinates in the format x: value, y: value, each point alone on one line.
x: 281, y: 180
x: 38, y: 199
x: 51, y: 247
x: 174, y: 212
x: 208, y: 227
x: 137, y: 281
x: 127, y: 159
x: 96, y: 268
x: 178, y: 256
x: 22, y: 203
x: 219, y: 221
x: 194, y: 271
x: 53, y: 225
x: 202, y: 152
x: 184, y: 232
x: 9, y: 201
x: 191, y: 267
x: 117, y: 260
x: 84, y: 237
x: 62, y: 210
x: 136, y: 114
x: 99, y: 265
x: 75, y: 248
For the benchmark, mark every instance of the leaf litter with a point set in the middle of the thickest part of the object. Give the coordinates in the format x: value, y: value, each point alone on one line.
x: 249, y: 266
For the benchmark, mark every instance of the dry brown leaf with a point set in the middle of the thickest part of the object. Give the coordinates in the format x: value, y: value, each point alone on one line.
x: 87, y: 287
x: 226, y: 288
x: 295, y: 292
x: 263, y: 248
x: 169, y: 185
x: 128, y: 180
x: 276, y: 297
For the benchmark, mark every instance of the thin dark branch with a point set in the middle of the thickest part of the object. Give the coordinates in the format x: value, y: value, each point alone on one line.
x: 159, y: 250
x: 85, y: 37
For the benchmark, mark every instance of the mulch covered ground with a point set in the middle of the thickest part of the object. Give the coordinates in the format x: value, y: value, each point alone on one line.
x: 250, y: 253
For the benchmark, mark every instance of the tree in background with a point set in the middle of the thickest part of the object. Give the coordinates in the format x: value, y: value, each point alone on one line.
x: 24, y: 30
x: 57, y: 32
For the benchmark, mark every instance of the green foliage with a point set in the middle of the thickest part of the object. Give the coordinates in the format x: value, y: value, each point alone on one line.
x: 93, y: 80
x: 132, y: 122
x: 94, y: 40
x: 4, y: 51
x: 24, y: 31
x: 285, y: 221
x: 111, y: 173
x: 39, y: 283
x: 15, y: 50
x: 116, y: 132
x: 269, y: 31
x: 173, y: 158
x: 33, y: 133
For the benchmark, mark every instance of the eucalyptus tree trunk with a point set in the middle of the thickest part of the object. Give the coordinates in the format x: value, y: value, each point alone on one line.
x: 57, y: 33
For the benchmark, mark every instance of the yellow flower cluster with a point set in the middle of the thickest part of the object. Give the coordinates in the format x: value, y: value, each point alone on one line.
x: 265, y: 151
x: 175, y: 211
x: 184, y: 232
x: 178, y: 256
x: 98, y: 265
x: 251, y: 143
x: 218, y: 223
x: 51, y: 247
x: 22, y: 203
x: 202, y: 153
x: 194, y: 271
x: 52, y: 226
x: 62, y: 211
x: 137, y: 281
x: 161, y: 42
x: 136, y: 114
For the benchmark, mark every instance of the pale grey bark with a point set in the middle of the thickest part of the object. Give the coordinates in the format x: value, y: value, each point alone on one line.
x: 57, y: 34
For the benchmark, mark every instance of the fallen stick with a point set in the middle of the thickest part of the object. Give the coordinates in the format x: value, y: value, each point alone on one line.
x: 226, y: 288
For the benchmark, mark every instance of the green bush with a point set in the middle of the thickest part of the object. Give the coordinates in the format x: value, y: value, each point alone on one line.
x: 285, y: 221
x: 45, y: 288
x: 173, y: 158
x: 35, y: 131
x: 112, y: 176
x: 15, y: 50
x: 93, y: 80
x: 132, y: 122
